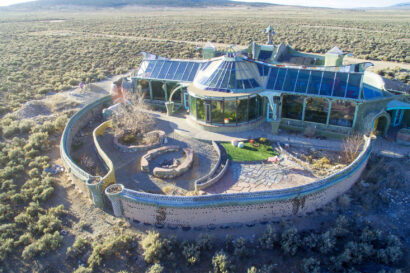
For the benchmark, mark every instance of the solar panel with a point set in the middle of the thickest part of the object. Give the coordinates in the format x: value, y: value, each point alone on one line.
x: 172, y: 70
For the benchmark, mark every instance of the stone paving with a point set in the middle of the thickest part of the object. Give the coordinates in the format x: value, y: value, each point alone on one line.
x: 252, y: 177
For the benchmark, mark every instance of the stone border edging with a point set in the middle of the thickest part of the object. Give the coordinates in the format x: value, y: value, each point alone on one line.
x: 138, y: 148
x: 203, y: 182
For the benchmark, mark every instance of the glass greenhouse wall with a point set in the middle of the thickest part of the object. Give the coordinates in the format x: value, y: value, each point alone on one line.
x: 232, y: 111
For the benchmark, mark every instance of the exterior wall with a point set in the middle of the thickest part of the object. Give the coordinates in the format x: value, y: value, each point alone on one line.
x: 80, y: 119
x: 223, y: 209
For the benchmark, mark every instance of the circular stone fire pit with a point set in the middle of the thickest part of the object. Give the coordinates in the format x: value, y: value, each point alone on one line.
x: 168, y: 169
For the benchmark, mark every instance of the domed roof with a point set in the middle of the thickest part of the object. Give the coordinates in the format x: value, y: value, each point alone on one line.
x: 228, y: 74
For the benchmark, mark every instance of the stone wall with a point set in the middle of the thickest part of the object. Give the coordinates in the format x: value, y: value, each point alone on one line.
x: 207, y: 180
x: 225, y: 209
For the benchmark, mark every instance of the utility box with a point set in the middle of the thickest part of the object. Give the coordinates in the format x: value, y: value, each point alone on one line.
x: 334, y: 57
x: 208, y: 51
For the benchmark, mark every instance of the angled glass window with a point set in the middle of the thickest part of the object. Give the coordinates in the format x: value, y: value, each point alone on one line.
x: 149, y: 68
x: 254, y: 83
x: 193, y: 72
x: 340, y: 85
x: 292, y: 107
x: 180, y: 71
x: 290, y: 80
x: 369, y: 92
x: 265, y: 70
x: 239, y: 84
x: 302, y: 82
x: 353, y: 86
x: 164, y: 70
x: 187, y: 72
x: 272, y: 78
x: 314, y: 84
x: 247, y: 84
x: 342, y: 113
x: 223, y: 69
x: 232, y: 78
x: 327, y: 83
x: 260, y: 68
x: 280, y: 78
x: 172, y: 70
x: 265, y: 54
x: 316, y: 110
x: 204, y: 65
x: 157, y: 68
x: 226, y: 77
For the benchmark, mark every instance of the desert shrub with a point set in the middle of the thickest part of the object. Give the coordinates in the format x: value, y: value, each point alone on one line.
x: 352, y: 146
x: 45, y: 244
x: 110, y: 246
x: 80, y: 245
x: 311, y: 265
x: 392, y: 253
x: 221, y: 263
x: 6, y: 247
x: 83, y: 269
x: 311, y: 240
x: 191, y: 252
x: 326, y: 242
x: 155, y: 268
x: 205, y: 242
x: 290, y: 241
x: 24, y: 239
x: 6, y: 212
x: 240, y: 248
x: 341, y: 227
x: 268, y: 239
x: 266, y: 268
x: 156, y: 248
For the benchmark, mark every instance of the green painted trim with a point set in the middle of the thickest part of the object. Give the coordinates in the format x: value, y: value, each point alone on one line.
x: 150, y: 90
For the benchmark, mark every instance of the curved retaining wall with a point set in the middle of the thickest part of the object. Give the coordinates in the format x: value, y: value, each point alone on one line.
x: 85, y: 182
x: 204, y: 181
x: 223, y: 209
x: 109, y: 178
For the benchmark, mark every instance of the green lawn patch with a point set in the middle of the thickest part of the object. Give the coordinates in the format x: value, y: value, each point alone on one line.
x: 249, y: 152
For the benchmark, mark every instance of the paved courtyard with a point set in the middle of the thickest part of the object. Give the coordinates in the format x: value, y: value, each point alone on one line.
x: 252, y: 177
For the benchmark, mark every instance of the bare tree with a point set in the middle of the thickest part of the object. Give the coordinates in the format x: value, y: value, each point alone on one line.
x: 133, y: 118
x: 352, y: 146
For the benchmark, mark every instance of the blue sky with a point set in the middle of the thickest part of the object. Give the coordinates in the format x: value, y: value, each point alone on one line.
x: 312, y: 3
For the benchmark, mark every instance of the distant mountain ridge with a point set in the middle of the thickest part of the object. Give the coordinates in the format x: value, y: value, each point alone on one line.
x: 121, y: 3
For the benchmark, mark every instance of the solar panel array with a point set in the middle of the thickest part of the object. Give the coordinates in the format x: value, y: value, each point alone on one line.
x: 172, y: 70
x: 225, y: 78
x: 315, y: 82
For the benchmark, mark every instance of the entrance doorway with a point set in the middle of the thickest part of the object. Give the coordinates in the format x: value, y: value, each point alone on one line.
x: 380, y: 126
